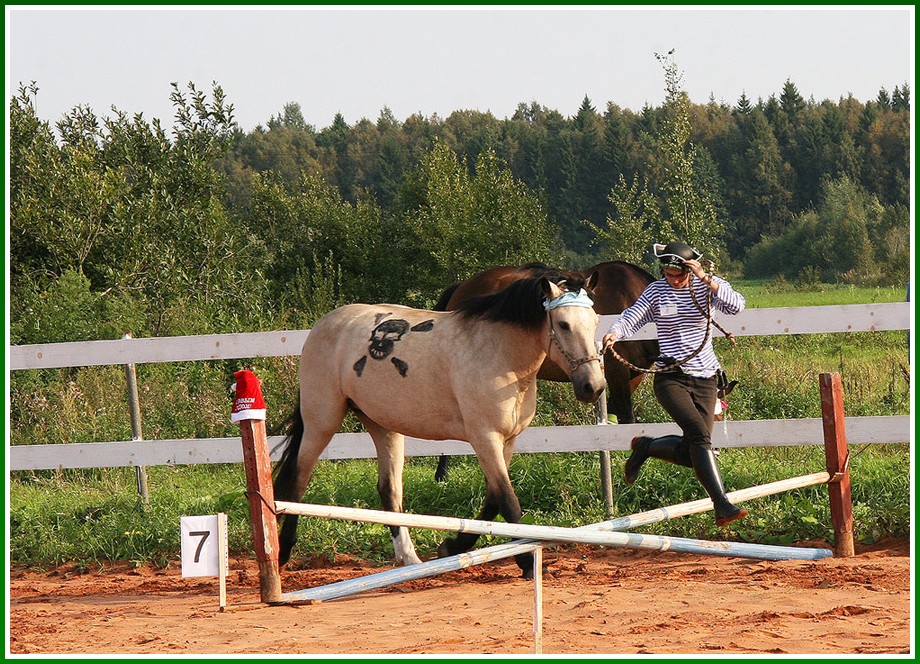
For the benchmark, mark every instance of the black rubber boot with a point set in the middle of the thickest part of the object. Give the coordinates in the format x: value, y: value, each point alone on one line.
x: 639, y: 446
x: 666, y: 448
x: 707, y: 472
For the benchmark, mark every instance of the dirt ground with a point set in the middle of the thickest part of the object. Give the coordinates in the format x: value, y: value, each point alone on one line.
x: 595, y: 601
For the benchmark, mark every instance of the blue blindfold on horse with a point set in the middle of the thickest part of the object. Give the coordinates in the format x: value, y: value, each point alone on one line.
x: 570, y: 299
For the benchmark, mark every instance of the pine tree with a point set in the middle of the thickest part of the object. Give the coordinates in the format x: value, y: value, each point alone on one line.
x: 744, y: 104
x: 900, y: 99
x: 883, y: 99
x: 691, y: 213
x: 791, y: 101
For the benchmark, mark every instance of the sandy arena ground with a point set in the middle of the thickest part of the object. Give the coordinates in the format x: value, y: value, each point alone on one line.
x: 596, y: 601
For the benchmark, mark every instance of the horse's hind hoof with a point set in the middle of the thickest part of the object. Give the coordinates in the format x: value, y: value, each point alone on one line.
x: 527, y: 573
x: 448, y: 548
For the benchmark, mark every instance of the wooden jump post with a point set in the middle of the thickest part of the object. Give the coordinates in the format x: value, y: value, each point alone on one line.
x: 838, y: 463
x: 249, y: 411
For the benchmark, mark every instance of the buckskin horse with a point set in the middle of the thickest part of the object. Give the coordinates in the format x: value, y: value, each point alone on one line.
x: 469, y: 374
x: 617, y: 285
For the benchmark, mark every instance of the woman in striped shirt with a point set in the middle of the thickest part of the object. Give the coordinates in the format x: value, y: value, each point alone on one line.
x: 688, y: 391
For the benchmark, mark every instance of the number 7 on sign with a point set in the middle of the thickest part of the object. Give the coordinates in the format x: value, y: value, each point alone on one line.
x: 203, y: 534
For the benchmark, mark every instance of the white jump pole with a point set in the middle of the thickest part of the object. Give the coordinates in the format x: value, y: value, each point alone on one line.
x: 501, y: 551
x: 705, y: 504
x: 554, y: 533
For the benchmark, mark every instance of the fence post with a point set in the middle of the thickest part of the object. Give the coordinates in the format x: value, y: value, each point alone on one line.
x: 606, y: 482
x: 249, y: 412
x: 137, y: 433
x: 838, y: 463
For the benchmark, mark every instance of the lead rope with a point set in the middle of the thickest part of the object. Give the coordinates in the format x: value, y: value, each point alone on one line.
x: 728, y: 335
x: 709, y: 324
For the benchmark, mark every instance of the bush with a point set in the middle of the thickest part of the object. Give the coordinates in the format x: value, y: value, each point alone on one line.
x: 67, y: 309
x: 833, y: 243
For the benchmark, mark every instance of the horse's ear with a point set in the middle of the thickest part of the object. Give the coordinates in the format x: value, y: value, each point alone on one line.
x: 551, y: 290
x: 593, y: 278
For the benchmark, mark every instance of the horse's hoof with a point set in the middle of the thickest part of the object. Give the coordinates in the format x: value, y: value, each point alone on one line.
x: 527, y: 573
x: 447, y: 548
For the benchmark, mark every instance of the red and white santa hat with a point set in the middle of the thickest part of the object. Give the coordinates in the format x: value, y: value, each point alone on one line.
x: 248, y: 404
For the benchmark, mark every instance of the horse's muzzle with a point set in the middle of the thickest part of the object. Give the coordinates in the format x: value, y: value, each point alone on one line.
x: 589, y: 388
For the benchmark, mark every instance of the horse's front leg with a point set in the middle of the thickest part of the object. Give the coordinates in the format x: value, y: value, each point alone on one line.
x: 500, y: 499
x: 391, y: 453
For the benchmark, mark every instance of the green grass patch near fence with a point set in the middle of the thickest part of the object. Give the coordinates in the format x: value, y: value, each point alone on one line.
x: 91, y: 517
x: 88, y: 517
x: 764, y: 293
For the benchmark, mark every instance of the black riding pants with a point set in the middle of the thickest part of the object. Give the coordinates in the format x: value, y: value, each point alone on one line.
x: 691, y: 403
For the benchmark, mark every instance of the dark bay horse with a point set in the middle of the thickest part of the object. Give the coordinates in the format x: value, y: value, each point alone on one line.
x: 468, y: 374
x: 617, y: 285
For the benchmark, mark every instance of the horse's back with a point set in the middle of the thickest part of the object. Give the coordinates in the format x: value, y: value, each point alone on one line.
x: 392, y: 363
x: 490, y: 280
x: 619, y: 285
x: 371, y: 331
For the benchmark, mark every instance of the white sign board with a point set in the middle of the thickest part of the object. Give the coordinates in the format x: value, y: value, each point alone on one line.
x: 200, y: 545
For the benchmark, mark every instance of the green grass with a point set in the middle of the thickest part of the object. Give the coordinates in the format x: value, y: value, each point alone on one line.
x: 763, y: 293
x: 92, y: 516
x: 89, y: 518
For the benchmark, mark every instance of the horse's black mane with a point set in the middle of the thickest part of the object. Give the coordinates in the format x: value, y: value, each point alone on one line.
x: 536, y: 269
x: 521, y: 303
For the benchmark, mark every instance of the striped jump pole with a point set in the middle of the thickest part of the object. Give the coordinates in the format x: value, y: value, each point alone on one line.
x: 507, y: 550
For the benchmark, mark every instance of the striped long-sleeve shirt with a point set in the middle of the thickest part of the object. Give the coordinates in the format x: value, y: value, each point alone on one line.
x: 681, y: 326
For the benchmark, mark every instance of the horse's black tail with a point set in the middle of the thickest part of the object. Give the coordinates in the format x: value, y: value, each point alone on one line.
x: 440, y: 475
x: 285, y: 481
x: 445, y: 297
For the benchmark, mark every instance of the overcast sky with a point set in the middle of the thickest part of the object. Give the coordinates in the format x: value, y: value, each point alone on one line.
x: 433, y: 61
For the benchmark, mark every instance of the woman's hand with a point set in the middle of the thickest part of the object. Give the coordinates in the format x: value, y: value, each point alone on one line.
x: 696, y: 269
x: 608, y: 340
x: 700, y: 273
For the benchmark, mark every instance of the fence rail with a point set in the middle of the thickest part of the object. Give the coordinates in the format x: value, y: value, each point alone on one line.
x: 743, y: 433
x: 750, y: 322
x: 586, y: 438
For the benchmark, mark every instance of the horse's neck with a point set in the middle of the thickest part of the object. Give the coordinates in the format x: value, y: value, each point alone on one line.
x: 511, y: 348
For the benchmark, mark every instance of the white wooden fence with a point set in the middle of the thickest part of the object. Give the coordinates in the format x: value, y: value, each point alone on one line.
x: 741, y: 433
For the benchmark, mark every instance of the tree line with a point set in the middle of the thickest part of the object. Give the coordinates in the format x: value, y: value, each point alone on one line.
x: 118, y: 224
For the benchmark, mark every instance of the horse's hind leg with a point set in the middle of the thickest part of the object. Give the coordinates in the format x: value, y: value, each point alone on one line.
x: 391, y: 455
x: 440, y: 473
x: 500, y: 499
